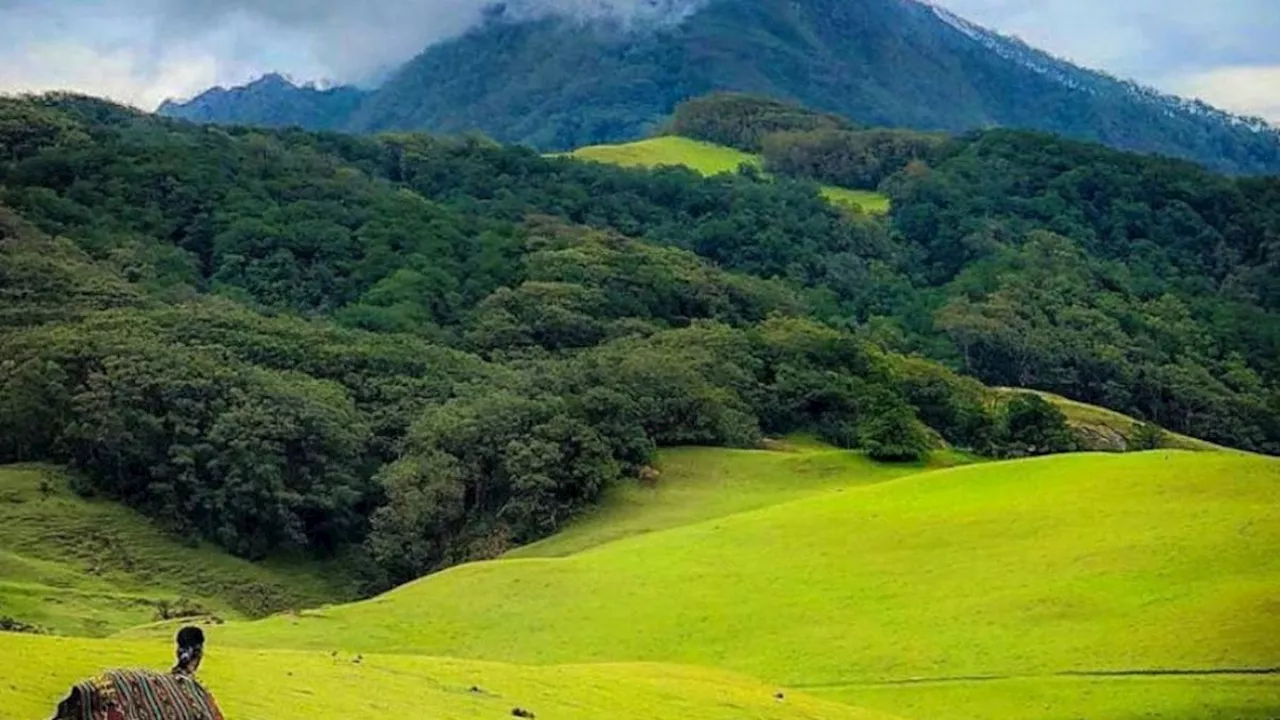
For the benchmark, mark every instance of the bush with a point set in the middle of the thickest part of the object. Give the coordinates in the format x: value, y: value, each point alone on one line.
x: 13, y: 625
x: 891, y: 433
x: 1031, y: 425
x: 1147, y: 436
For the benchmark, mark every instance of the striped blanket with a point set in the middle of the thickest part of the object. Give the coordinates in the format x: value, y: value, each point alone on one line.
x: 138, y: 695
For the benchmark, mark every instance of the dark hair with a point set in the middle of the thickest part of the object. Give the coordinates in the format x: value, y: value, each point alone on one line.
x: 190, y: 649
x: 190, y: 637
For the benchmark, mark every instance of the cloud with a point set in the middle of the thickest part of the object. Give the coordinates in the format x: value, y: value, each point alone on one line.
x: 121, y: 73
x: 1253, y: 90
x: 1155, y: 41
x: 142, y: 51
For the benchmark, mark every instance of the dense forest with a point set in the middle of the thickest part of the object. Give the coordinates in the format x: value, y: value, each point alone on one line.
x: 559, y: 83
x: 426, y: 350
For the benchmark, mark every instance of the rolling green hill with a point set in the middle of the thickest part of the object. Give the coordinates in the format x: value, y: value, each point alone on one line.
x: 88, y: 567
x: 283, y: 685
x: 1158, y: 561
x: 1107, y: 430
x: 711, y: 159
x: 699, y: 484
x: 706, y: 158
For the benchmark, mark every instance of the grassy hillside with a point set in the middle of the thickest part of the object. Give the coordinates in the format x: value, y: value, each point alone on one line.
x: 872, y: 203
x: 318, y: 686
x: 1074, y: 563
x: 710, y: 159
x: 706, y: 158
x: 699, y: 484
x: 1166, y: 697
x: 77, y: 566
x: 1104, y: 429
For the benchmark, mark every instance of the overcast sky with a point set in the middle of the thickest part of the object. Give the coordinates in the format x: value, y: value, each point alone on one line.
x: 143, y: 51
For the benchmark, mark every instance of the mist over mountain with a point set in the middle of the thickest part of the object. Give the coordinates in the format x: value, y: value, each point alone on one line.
x: 563, y: 74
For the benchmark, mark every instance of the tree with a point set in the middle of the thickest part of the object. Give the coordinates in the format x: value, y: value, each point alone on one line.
x: 1031, y: 425
x: 890, y: 432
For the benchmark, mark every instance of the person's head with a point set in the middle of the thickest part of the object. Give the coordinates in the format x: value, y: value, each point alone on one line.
x: 190, y: 649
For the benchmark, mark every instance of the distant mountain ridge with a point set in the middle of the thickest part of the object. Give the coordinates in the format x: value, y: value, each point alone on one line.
x: 273, y: 101
x: 558, y: 83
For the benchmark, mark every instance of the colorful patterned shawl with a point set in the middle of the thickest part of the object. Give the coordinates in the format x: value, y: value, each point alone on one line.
x: 139, y: 695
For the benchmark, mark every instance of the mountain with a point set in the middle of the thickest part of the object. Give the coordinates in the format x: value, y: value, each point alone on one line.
x: 271, y: 101
x: 558, y: 83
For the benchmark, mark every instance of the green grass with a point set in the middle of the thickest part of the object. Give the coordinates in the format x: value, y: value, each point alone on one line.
x: 1222, y: 697
x: 1162, y: 560
x: 871, y: 203
x: 710, y: 159
x: 700, y: 484
x: 88, y: 567
x: 956, y: 594
x: 670, y: 150
x: 317, y: 686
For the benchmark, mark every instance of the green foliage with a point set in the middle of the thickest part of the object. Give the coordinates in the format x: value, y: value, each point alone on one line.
x: 255, y: 421
x: 708, y: 159
x: 893, y: 434
x: 257, y: 459
x: 432, y: 350
x: 1143, y: 285
x: 861, y: 159
x: 1147, y: 436
x: 747, y: 122
x: 44, y: 279
x: 1031, y: 425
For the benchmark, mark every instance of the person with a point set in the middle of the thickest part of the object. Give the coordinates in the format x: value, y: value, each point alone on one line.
x: 144, y: 694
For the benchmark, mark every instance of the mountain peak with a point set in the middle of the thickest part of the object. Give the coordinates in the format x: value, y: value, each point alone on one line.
x: 897, y: 63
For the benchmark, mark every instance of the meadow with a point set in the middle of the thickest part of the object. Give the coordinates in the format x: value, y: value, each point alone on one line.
x: 1110, y: 586
x: 79, y: 566
x: 710, y: 159
x: 700, y: 484
x: 283, y: 685
x: 1072, y: 564
x: 1128, y: 697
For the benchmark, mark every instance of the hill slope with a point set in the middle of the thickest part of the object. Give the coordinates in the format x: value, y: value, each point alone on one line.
x: 92, y: 567
x: 700, y: 484
x: 317, y: 686
x: 710, y: 159
x: 1072, y: 563
x: 695, y: 485
x: 880, y: 62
